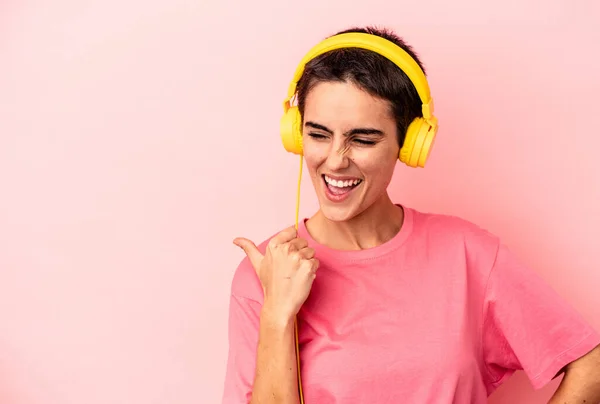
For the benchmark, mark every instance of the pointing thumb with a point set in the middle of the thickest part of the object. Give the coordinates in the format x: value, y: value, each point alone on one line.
x: 251, y: 251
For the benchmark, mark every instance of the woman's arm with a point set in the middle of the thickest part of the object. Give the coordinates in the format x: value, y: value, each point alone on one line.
x: 581, y: 383
x: 276, y: 371
x: 286, y: 273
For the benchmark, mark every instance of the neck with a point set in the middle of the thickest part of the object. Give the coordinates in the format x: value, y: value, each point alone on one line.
x: 378, y: 224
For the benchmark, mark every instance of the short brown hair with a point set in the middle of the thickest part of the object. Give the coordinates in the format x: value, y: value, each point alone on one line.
x: 370, y: 71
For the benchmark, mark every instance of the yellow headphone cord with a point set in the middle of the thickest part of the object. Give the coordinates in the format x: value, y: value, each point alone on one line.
x: 300, y: 393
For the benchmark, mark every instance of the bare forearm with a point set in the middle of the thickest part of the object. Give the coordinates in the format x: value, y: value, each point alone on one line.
x: 276, y: 372
x: 576, y: 390
x: 581, y: 383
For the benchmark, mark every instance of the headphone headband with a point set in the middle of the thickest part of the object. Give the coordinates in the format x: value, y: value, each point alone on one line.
x: 379, y: 45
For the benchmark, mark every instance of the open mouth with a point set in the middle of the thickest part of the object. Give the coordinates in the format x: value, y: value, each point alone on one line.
x: 339, y: 189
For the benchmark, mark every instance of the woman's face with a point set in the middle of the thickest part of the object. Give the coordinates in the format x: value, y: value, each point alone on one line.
x: 350, y: 147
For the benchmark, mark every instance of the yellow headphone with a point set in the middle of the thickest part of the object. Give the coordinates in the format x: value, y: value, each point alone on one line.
x: 420, y: 134
x: 421, y: 131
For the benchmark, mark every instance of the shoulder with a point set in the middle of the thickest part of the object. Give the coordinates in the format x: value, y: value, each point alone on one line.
x: 451, y: 225
x: 452, y: 232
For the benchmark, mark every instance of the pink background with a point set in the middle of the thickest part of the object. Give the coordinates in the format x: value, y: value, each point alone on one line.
x: 138, y: 138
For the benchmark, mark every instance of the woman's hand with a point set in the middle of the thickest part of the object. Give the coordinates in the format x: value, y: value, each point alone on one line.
x: 286, y: 272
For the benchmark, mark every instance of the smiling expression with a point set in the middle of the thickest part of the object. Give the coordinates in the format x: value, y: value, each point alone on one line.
x: 350, y: 147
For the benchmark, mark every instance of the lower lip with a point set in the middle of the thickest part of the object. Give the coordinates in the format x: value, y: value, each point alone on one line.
x: 338, y: 197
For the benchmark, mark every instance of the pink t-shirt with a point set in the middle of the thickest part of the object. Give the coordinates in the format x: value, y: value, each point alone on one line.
x: 442, y: 313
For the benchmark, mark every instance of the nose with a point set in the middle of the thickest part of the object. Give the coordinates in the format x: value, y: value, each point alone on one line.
x: 337, y: 157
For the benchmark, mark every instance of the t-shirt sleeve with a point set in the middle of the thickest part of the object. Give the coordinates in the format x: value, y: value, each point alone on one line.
x: 528, y: 326
x: 243, y: 341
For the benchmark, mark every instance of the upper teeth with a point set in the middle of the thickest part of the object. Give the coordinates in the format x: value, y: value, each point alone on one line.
x: 341, y: 184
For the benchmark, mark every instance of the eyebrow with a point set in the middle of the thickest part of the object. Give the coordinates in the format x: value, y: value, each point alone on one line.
x: 355, y: 131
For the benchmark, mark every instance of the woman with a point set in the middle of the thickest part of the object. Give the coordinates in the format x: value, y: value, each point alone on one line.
x: 393, y: 305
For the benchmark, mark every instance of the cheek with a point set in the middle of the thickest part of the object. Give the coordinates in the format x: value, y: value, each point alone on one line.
x: 379, y: 159
x: 313, y: 158
x: 378, y: 171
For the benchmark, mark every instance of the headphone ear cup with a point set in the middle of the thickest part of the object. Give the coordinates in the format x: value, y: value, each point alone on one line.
x: 417, y: 143
x: 291, y: 134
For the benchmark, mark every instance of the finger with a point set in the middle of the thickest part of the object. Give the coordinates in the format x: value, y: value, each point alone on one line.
x: 298, y: 244
x: 285, y: 236
x: 251, y: 251
x: 311, y: 265
x: 307, y: 253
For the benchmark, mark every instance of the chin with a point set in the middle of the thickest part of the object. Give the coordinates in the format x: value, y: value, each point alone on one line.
x: 338, y: 213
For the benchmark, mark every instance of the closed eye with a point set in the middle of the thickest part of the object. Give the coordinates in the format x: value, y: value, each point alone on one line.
x: 317, y: 136
x: 364, y: 142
